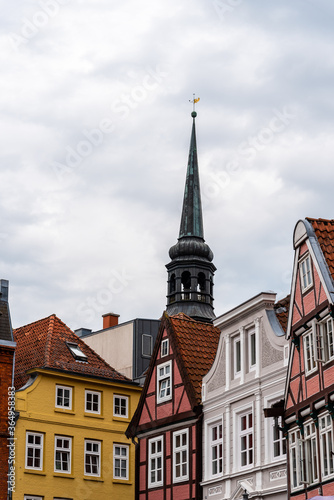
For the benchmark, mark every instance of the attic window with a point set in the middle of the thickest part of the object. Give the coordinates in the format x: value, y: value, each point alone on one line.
x: 306, y: 273
x: 76, y: 352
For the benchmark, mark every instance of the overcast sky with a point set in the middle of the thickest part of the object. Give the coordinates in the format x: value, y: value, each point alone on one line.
x: 95, y: 130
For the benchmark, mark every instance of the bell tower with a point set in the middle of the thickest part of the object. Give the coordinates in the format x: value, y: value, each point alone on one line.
x: 191, y: 270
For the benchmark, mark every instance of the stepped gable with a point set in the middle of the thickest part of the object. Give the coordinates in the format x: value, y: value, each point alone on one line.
x: 324, y: 231
x: 197, y: 344
x: 43, y: 344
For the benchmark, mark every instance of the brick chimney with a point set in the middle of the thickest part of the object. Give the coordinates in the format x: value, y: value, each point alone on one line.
x: 109, y: 320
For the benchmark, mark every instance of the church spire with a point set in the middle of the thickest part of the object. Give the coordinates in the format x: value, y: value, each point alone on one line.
x: 190, y: 272
x: 191, y: 218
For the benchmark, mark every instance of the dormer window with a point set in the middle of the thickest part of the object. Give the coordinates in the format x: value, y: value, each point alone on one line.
x: 306, y: 273
x: 76, y: 352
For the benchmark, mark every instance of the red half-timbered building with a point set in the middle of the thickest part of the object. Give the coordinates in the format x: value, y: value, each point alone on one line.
x: 168, y: 422
x: 309, y: 395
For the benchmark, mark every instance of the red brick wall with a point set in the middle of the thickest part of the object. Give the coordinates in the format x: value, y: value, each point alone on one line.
x: 6, y: 366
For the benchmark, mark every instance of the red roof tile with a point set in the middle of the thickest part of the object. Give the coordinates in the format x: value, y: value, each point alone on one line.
x: 197, y: 345
x: 194, y: 345
x: 324, y: 231
x: 42, y: 344
x: 282, y: 312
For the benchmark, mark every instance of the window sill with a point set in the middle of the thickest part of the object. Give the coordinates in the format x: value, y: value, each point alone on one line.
x: 121, y: 419
x: 64, y: 475
x: 64, y: 410
x: 92, y: 478
x: 94, y: 415
x: 122, y: 481
x: 35, y: 472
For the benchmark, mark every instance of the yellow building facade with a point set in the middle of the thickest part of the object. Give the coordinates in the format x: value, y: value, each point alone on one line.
x: 70, y: 441
x: 75, y: 449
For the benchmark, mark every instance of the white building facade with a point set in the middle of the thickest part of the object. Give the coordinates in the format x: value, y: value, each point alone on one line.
x: 243, y: 450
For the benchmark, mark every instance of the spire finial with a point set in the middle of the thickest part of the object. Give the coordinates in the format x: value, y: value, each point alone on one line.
x: 194, y: 101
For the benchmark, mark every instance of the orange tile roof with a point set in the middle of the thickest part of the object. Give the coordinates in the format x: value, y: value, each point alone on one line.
x: 197, y: 345
x: 324, y: 231
x: 42, y: 344
x: 282, y: 312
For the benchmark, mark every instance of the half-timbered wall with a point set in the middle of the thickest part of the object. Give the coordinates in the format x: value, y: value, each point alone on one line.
x: 309, y: 396
x: 168, y: 465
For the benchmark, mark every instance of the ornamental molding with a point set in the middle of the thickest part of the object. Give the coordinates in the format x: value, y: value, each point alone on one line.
x: 215, y: 490
x: 277, y: 474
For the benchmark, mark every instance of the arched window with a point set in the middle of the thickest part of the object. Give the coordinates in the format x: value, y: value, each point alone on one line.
x: 172, y: 288
x: 186, y: 285
x: 201, y: 287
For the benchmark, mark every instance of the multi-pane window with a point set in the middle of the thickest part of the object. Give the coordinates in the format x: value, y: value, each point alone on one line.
x: 296, y: 459
x: 278, y: 439
x: 326, y: 445
x: 164, y: 348
x: 34, y: 450
x: 63, y: 397
x: 164, y: 382
x: 121, y: 461
x: 305, y: 273
x: 180, y: 456
x: 92, y: 457
x: 93, y: 402
x: 326, y: 342
x: 252, y: 349
x: 237, y: 355
x: 246, y: 439
x: 310, y: 453
x: 155, y: 469
x: 63, y: 447
x: 216, y: 449
x: 309, y: 352
x: 32, y: 497
x: 121, y: 404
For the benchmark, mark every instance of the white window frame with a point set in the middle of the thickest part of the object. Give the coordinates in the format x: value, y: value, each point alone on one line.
x: 121, y: 460
x: 311, y: 453
x: 164, y: 382
x: 65, y: 450
x: 246, y: 436
x: 92, y: 454
x: 215, y: 448
x: 33, y: 497
x: 309, y: 347
x: 296, y: 460
x: 34, y: 447
x: 144, y: 354
x: 237, y: 356
x: 94, y: 394
x: 164, y: 351
x: 115, y: 406
x: 180, y: 456
x: 251, y: 335
x: 64, y: 388
x: 325, y: 338
x: 305, y: 269
x: 155, y: 462
x: 326, y: 445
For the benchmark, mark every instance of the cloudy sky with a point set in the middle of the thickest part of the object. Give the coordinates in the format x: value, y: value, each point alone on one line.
x: 95, y: 130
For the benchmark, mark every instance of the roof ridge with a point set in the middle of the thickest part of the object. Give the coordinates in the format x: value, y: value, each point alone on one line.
x: 48, y: 342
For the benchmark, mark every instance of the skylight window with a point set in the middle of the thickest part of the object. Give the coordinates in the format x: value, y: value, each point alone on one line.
x: 76, y: 352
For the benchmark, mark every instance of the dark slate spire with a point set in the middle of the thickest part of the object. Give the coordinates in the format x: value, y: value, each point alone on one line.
x: 190, y: 272
x: 191, y: 219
